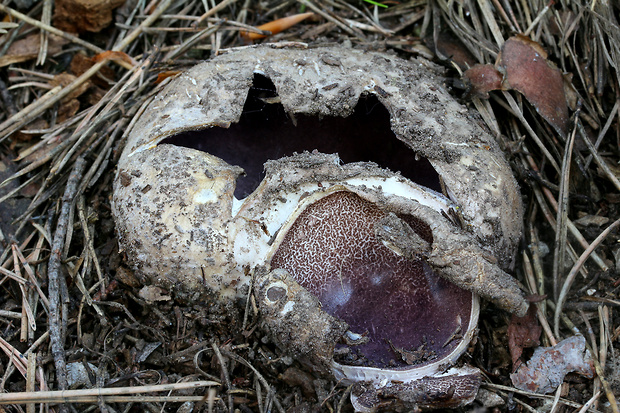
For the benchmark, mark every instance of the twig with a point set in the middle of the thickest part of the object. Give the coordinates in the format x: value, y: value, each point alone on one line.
x: 54, y: 274
x: 31, y: 111
x: 127, y: 40
x: 30, y: 380
x: 562, y: 215
x: 182, y: 48
x: 526, y: 125
x: 46, y: 17
x: 31, y: 275
x: 489, y: 17
x: 531, y: 281
x: 225, y: 375
x: 259, y: 376
x: 214, y: 10
x: 79, y: 396
x: 502, y: 389
x: 603, y: 131
x: 590, y: 402
x: 27, y: 311
x: 573, y: 272
x: 537, y: 19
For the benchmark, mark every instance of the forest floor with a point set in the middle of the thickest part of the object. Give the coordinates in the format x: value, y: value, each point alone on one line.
x: 73, y: 77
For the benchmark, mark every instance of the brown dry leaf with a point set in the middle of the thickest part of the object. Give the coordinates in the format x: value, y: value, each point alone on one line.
x: 94, y: 95
x: 528, y: 71
x: 296, y: 377
x: 22, y: 135
x: 114, y: 55
x: 276, y: 26
x: 448, y: 46
x: 64, y: 79
x: 78, y: 16
x: 28, y: 48
x: 127, y: 277
x: 483, y: 79
x: 69, y: 105
x: 81, y: 63
x: 67, y: 109
x: 165, y: 75
x: 523, y: 332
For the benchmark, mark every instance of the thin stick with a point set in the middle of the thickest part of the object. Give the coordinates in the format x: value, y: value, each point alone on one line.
x: 196, y: 38
x: 127, y: 40
x: 561, y: 226
x: 489, y: 17
x: 54, y: 275
x: 528, y: 128
x: 214, y: 10
x: 590, y: 402
x: 571, y: 227
x: 531, y: 281
x: 124, y: 399
x: 68, y: 396
x: 88, y: 240
x: 225, y: 375
x: 30, y: 380
x: 537, y: 19
x: 30, y: 112
x: 499, y: 387
x: 603, y: 132
x: 573, y: 272
x: 13, y: 276
x: 32, y: 277
x: 46, y: 17
x: 25, y: 305
x: 259, y: 376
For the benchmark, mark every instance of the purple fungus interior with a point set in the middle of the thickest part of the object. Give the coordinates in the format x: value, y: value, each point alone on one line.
x: 265, y: 131
x: 410, y: 315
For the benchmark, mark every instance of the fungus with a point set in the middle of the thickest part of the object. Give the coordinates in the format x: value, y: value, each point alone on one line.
x: 365, y: 204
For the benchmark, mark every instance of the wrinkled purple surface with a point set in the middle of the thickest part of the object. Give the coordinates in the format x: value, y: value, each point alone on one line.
x: 332, y: 251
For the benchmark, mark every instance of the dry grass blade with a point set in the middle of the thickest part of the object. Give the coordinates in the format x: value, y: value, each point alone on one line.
x: 562, y: 227
x: 573, y: 272
x: 91, y: 395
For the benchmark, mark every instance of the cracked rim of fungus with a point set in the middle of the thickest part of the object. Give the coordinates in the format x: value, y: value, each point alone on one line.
x: 222, y: 167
